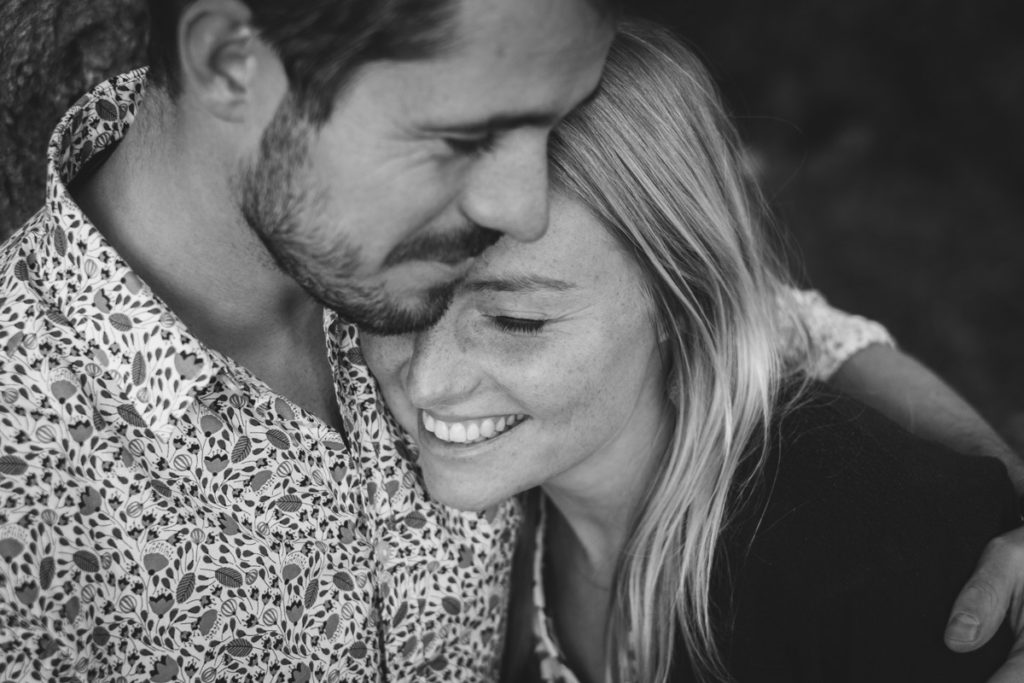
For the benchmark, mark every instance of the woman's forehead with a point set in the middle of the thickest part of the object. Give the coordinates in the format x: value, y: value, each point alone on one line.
x: 576, y: 252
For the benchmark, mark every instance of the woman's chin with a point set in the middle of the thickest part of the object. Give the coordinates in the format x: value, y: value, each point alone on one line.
x: 462, y: 494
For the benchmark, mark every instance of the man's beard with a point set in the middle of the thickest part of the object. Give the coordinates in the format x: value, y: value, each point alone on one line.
x: 279, y: 199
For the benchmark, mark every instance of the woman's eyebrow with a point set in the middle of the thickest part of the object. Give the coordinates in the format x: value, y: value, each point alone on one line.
x: 516, y: 283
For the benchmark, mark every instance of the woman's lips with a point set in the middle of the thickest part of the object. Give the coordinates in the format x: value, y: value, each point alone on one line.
x: 469, y: 431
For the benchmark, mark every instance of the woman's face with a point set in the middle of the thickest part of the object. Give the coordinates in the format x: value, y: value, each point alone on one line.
x: 544, y: 370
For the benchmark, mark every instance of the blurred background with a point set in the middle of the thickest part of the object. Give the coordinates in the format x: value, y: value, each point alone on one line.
x: 888, y: 135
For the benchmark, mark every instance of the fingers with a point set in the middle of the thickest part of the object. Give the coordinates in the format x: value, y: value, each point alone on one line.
x: 977, y: 612
x: 1013, y: 670
x: 982, y: 604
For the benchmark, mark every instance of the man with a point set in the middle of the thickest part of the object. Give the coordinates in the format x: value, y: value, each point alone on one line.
x: 191, y: 486
x: 181, y: 497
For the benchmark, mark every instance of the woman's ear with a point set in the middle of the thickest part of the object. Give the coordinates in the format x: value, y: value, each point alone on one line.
x: 663, y: 334
x: 217, y: 48
x: 662, y: 328
x: 667, y: 349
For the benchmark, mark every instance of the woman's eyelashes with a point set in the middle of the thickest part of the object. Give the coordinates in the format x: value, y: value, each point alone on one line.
x: 518, y: 325
x: 472, y: 145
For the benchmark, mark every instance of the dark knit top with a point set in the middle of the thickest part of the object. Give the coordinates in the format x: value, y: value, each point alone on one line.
x: 862, y: 538
x: 842, y: 562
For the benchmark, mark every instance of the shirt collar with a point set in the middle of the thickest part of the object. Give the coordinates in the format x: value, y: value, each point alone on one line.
x: 356, y: 388
x: 130, y: 331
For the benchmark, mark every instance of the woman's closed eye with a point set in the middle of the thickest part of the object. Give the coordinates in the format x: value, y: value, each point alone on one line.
x: 518, y: 325
x: 479, y: 144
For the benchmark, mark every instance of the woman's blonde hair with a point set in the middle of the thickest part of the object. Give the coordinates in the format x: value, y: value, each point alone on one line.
x: 655, y: 158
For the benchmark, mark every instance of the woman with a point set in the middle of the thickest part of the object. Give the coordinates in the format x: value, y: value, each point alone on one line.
x: 704, y: 514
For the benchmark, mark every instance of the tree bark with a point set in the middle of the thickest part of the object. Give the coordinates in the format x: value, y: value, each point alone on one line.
x: 51, y: 51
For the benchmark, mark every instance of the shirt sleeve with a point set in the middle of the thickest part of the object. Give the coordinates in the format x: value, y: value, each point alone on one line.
x: 817, y: 338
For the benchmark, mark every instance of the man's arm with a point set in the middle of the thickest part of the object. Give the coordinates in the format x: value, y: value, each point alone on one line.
x: 859, y: 357
x: 911, y: 395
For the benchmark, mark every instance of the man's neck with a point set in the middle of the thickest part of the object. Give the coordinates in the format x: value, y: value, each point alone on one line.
x: 168, y: 211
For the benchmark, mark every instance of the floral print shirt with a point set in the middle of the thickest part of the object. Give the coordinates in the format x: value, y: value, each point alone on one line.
x: 165, y: 516
x: 553, y: 667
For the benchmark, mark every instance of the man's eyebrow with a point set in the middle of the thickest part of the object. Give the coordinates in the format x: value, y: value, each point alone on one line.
x: 517, y: 283
x: 498, y: 122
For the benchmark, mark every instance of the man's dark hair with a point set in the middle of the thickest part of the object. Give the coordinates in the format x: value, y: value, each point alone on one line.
x: 320, y: 42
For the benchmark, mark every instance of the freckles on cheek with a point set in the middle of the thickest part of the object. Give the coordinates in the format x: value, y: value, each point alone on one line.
x: 397, y: 402
x: 573, y: 386
x: 386, y: 356
x: 530, y: 352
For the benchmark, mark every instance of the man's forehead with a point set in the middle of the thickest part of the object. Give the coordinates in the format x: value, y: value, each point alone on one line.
x: 478, y: 13
x: 512, y: 67
x: 508, y: 26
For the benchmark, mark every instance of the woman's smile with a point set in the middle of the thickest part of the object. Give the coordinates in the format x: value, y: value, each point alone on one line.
x: 469, y: 431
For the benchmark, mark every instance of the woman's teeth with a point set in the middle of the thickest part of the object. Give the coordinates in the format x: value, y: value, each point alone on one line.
x: 470, y: 431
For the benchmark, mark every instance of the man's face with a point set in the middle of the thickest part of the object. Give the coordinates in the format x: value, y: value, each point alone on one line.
x: 423, y: 164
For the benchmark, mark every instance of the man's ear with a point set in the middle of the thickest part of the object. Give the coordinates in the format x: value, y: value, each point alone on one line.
x: 217, y: 49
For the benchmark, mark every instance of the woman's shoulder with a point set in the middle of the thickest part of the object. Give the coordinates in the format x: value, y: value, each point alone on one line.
x: 845, y: 557
x: 841, y: 480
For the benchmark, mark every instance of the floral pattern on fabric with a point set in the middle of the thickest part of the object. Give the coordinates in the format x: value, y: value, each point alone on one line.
x: 165, y: 516
x: 817, y: 339
x: 553, y: 667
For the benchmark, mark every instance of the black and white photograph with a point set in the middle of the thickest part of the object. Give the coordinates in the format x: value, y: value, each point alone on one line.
x: 518, y: 341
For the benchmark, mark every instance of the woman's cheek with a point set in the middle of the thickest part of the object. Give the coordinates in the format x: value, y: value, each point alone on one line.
x: 386, y: 357
x: 566, y: 379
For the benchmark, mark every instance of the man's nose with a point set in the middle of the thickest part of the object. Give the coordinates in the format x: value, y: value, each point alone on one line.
x: 507, y: 189
x: 439, y: 375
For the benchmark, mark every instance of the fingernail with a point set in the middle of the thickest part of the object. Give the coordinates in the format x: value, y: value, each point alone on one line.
x: 963, y: 628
